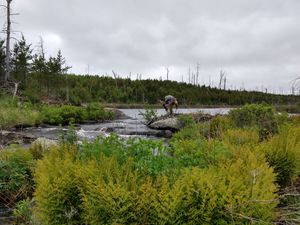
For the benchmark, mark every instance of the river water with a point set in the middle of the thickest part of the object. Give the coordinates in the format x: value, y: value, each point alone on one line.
x: 132, y: 126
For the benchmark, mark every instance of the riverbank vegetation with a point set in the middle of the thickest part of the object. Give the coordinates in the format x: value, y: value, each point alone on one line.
x: 229, y: 170
x: 15, y: 113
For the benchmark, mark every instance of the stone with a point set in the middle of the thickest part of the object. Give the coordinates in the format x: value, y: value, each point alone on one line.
x: 171, y: 123
x: 44, y: 143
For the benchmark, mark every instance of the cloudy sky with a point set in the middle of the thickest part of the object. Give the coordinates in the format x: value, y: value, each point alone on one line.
x: 256, y: 42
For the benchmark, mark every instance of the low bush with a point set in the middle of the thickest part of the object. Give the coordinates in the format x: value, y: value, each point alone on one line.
x: 188, y: 133
x: 57, y: 189
x: 149, y: 114
x: 283, y: 154
x: 263, y: 116
x: 149, y: 157
x: 104, y: 191
x: 16, y: 181
x: 186, y: 120
x: 23, y: 213
x: 199, y: 152
x: 240, y: 137
x: 68, y: 114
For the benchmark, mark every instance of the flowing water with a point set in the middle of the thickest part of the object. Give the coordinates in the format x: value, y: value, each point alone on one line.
x: 132, y: 126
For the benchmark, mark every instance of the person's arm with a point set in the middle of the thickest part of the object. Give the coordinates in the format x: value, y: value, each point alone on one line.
x: 164, y: 105
x: 176, y: 104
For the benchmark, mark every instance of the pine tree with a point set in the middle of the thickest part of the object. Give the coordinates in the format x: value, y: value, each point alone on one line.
x: 57, y: 65
x: 21, y: 60
x: 39, y: 60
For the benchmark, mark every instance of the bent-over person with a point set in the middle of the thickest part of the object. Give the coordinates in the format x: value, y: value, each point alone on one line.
x: 169, y: 103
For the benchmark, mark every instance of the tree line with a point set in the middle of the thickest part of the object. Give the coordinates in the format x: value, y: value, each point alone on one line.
x: 42, y: 77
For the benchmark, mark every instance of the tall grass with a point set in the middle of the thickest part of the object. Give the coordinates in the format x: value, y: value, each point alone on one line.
x: 14, y: 113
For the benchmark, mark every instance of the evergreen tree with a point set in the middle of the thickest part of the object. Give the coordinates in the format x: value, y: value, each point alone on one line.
x: 39, y: 60
x: 57, y: 65
x: 21, y: 60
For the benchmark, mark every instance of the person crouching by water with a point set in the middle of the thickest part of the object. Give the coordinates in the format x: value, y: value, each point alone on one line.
x: 169, y: 103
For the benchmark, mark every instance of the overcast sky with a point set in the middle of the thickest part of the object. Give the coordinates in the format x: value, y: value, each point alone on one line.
x: 256, y: 42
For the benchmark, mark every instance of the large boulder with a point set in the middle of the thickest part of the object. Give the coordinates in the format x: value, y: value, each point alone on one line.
x: 118, y: 113
x: 44, y: 143
x: 170, y: 123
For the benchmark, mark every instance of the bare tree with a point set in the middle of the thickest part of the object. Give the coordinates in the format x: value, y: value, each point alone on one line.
x: 189, y: 75
x: 116, y: 77
x: 225, y: 80
x: 167, y: 68
x: 222, y: 75
x: 197, y: 73
x: 8, y: 37
x: 295, y: 86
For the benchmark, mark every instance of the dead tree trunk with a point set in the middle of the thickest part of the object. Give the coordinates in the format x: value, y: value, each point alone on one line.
x: 16, y: 89
x: 197, y: 74
x: 8, y: 54
x: 222, y: 74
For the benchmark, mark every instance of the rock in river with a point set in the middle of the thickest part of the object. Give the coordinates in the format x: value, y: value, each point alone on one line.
x: 170, y: 123
x: 44, y: 143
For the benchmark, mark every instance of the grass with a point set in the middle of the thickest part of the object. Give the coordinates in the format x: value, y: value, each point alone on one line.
x: 13, y: 113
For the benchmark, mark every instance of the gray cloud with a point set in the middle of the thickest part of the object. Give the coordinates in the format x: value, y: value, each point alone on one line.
x: 256, y: 42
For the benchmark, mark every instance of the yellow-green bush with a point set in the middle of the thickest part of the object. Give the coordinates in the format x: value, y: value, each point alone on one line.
x: 57, y: 189
x: 240, y: 137
x: 108, y: 191
x: 239, y: 190
x: 283, y: 154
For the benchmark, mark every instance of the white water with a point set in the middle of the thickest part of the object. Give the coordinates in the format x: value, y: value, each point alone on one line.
x: 130, y: 127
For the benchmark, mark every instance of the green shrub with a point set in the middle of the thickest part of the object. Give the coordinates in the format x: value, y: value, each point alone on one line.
x: 200, y: 153
x: 283, y: 154
x: 15, y: 175
x: 186, y: 120
x: 218, y: 125
x: 188, y: 133
x: 263, y: 116
x: 68, y: 114
x: 150, y: 157
x: 95, y: 111
x: 149, y: 114
x: 23, y: 212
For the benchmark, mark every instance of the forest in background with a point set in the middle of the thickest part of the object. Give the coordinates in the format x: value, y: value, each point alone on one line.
x: 42, y: 78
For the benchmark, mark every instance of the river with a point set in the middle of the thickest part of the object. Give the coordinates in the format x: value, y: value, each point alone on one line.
x: 131, y: 126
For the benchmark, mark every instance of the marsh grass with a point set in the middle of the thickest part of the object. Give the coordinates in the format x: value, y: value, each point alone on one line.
x: 14, y: 113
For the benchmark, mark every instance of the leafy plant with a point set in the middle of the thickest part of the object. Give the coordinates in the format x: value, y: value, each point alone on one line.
x: 149, y: 114
x: 263, y: 116
x: 23, y: 212
x: 15, y: 175
x: 283, y: 154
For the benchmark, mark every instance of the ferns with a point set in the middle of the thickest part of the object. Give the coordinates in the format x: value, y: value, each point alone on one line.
x: 109, y: 191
